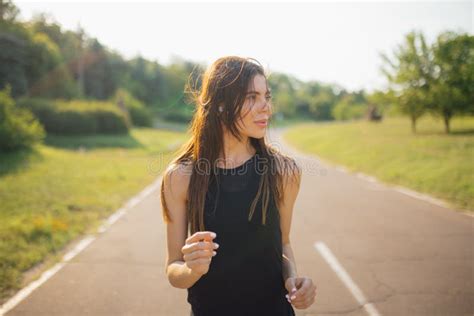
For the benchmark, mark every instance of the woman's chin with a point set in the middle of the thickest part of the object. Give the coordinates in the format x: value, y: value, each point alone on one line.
x: 259, y: 134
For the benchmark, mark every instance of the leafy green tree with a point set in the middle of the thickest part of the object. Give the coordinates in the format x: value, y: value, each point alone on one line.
x: 452, y: 90
x: 32, y: 64
x: 322, y: 103
x: 71, y: 44
x: 97, y: 70
x: 135, y: 110
x: 45, y: 70
x: 8, y: 11
x: 384, y: 101
x: 12, y: 56
x: 97, y: 83
x: 18, y: 127
x: 351, y: 106
x: 283, y: 89
x: 410, y: 73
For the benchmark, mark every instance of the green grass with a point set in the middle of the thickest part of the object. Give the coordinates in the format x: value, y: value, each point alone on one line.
x: 282, y: 123
x: 430, y: 161
x: 174, y: 126
x: 66, y: 187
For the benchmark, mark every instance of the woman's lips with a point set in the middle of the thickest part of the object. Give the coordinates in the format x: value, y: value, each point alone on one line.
x: 262, y: 123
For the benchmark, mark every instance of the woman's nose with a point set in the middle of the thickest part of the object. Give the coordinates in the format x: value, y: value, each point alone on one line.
x: 267, y: 107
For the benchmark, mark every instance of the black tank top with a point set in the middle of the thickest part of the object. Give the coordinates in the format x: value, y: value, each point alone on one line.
x: 245, y: 277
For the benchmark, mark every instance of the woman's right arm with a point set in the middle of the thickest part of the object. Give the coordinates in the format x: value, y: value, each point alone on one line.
x: 180, y: 275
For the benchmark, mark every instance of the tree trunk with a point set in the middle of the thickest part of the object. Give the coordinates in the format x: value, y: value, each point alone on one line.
x: 446, y: 123
x: 413, y: 125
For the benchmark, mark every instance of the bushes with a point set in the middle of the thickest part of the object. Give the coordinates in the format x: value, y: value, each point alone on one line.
x: 179, y: 113
x: 78, y: 117
x: 43, y: 109
x: 18, y: 127
x: 139, y: 114
x: 347, y: 111
x: 88, y: 117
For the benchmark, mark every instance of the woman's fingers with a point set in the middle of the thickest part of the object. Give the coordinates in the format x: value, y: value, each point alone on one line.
x: 199, y: 254
x: 304, y: 291
x: 197, y: 236
x: 306, y: 295
x: 304, y: 302
x: 200, y: 245
x: 199, y: 250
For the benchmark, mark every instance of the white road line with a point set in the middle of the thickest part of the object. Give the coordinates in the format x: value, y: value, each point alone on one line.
x: 27, y: 290
x: 23, y: 293
x: 345, y: 278
x: 78, y: 248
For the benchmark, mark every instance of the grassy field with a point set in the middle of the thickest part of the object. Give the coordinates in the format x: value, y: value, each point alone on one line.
x: 65, y: 188
x: 430, y: 161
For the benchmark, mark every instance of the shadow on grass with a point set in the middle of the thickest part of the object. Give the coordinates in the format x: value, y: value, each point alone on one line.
x: 11, y: 162
x: 90, y: 142
x: 461, y: 132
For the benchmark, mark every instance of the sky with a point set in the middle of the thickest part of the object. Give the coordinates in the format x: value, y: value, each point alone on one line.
x: 327, y: 41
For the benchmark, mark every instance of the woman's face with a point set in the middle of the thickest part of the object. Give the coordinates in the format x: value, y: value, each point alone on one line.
x: 256, y: 110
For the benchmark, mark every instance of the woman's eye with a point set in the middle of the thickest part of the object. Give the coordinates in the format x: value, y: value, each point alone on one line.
x: 268, y: 97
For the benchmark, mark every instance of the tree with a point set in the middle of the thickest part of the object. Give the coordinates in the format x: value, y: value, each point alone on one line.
x: 382, y: 101
x: 12, y: 59
x: 322, y: 104
x: 452, y: 90
x: 45, y: 69
x: 283, y: 92
x: 8, y: 11
x: 413, y: 101
x: 350, y: 106
x: 19, y: 128
x: 410, y: 73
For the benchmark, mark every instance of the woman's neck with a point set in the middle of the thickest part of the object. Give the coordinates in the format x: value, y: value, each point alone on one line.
x: 235, y: 151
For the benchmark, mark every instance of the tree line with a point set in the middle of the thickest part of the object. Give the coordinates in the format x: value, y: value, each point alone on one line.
x: 41, y: 60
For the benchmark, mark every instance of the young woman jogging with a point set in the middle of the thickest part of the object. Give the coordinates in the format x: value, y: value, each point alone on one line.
x: 227, y: 201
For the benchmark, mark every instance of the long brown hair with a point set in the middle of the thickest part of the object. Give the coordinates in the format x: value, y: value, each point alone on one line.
x: 225, y: 84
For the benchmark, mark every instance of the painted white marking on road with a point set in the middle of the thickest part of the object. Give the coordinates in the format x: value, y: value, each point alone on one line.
x: 78, y: 248
x: 27, y: 290
x: 23, y: 293
x: 421, y: 196
x: 112, y: 219
x: 366, y: 177
x: 345, y: 278
x: 341, y: 169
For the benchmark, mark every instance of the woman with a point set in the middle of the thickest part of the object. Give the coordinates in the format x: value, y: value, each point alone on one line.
x: 235, y: 194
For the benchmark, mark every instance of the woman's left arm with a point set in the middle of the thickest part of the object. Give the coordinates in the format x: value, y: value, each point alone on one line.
x: 289, y: 265
x: 301, y: 290
x: 286, y: 210
x: 291, y: 186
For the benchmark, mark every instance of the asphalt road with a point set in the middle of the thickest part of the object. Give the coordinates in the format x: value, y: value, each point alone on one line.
x: 370, y: 249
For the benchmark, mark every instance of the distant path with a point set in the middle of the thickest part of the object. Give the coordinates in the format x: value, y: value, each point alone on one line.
x: 370, y: 250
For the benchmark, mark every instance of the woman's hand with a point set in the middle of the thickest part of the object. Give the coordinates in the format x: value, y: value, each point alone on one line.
x: 301, y: 291
x: 198, y: 254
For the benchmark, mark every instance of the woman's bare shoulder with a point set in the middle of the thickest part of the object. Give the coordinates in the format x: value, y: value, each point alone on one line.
x: 177, y: 177
x: 287, y: 165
